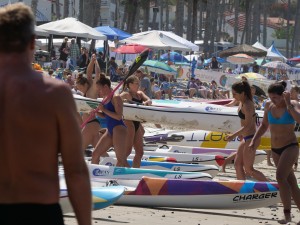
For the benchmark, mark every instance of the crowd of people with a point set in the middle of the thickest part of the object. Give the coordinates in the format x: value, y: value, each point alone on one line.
x: 47, y: 127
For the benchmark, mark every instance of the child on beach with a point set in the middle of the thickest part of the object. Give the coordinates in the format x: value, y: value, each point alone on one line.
x: 280, y: 115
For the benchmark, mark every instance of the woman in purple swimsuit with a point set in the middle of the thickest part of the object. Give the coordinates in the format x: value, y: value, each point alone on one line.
x: 280, y: 116
x: 244, y: 159
x: 116, y: 129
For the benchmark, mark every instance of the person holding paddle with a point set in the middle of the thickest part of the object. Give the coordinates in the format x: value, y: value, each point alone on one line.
x: 135, y: 130
x: 38, y: 121
x: 116, y: 130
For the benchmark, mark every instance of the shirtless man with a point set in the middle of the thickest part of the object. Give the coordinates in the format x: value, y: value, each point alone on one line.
x: 38, y: 121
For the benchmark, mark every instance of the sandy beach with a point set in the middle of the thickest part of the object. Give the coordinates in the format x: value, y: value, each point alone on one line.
x: 116, y: 215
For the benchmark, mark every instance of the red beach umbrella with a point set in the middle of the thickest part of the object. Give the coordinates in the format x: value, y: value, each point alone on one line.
x: 130, y: 49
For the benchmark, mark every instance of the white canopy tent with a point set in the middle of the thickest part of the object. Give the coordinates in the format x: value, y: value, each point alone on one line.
x: 260, y: 46
x: 183, y: 41
x: 40, y: 32
x: 158, y: 40
x: 72, y: 27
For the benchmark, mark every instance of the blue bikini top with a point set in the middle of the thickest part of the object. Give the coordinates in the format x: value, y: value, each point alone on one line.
x: 286, y: 118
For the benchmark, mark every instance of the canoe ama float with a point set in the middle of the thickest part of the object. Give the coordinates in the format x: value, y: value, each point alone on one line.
x: 107, y: 173
x: 181, y: 158
x: 199, y: 138
x: 210, y: 169
x: 260, y: 155
x: 156, y: 192
x: 102, y: 197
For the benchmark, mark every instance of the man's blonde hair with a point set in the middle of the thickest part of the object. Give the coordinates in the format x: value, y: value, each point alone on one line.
x: 16, y: 27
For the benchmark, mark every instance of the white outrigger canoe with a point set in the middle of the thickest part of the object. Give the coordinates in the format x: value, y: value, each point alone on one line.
x: 233, y: 194
x: 197, y: 138
x: 181, y: 157
x: 184, y: 167
x: 210, y: 117
x: 260, y: 155
x: 102, y: 197
x: 189, y: 115
x: 101, y: 173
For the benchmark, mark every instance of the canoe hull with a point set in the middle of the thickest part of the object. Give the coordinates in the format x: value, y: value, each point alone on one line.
x: 259, y: 157
x: 202, y: 194
x: 210, y: 169
x: 102, y: 197
x: 182, y: 158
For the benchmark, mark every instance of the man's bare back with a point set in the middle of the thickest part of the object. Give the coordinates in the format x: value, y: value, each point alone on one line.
x: 38, y: 121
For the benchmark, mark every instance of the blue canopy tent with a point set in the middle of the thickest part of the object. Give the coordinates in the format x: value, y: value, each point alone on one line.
x: 274, y: 54
x: 173, y: 57
x: 113, y: 33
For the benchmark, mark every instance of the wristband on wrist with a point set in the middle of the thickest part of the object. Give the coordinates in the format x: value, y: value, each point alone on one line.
x: 290, y: 106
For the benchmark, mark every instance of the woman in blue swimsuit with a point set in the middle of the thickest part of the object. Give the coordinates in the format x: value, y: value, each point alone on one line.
x: 116, y: 129
x: 135, y: 130
x: 244, y: 159
x: 280, y: 116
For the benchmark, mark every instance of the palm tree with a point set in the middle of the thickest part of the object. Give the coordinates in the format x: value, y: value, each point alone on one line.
x: 236, y: 20
x: 189, y: 19
x: 207, y: 28
x: 155, y: 10
x: 256, y: 21
x: 265, y: 5
x: 96, y: 17
x: 34, y: 4
x: 179, y: 15
x: 88, y: 12
x: 288, y: 28
x: 194, y: 21
x: 296, y: 37
x: 201, y: 12
x: 161, y: 5
x: 80, y: 16
x: 167, y: 14
x: 213, y: 22
x: 131, y: 11
x: 117, y: 14
x: 66, y: 8
x: 248, y: 23
x: 145, y: 5
x: 57, y: 7
x: 221, y: 19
